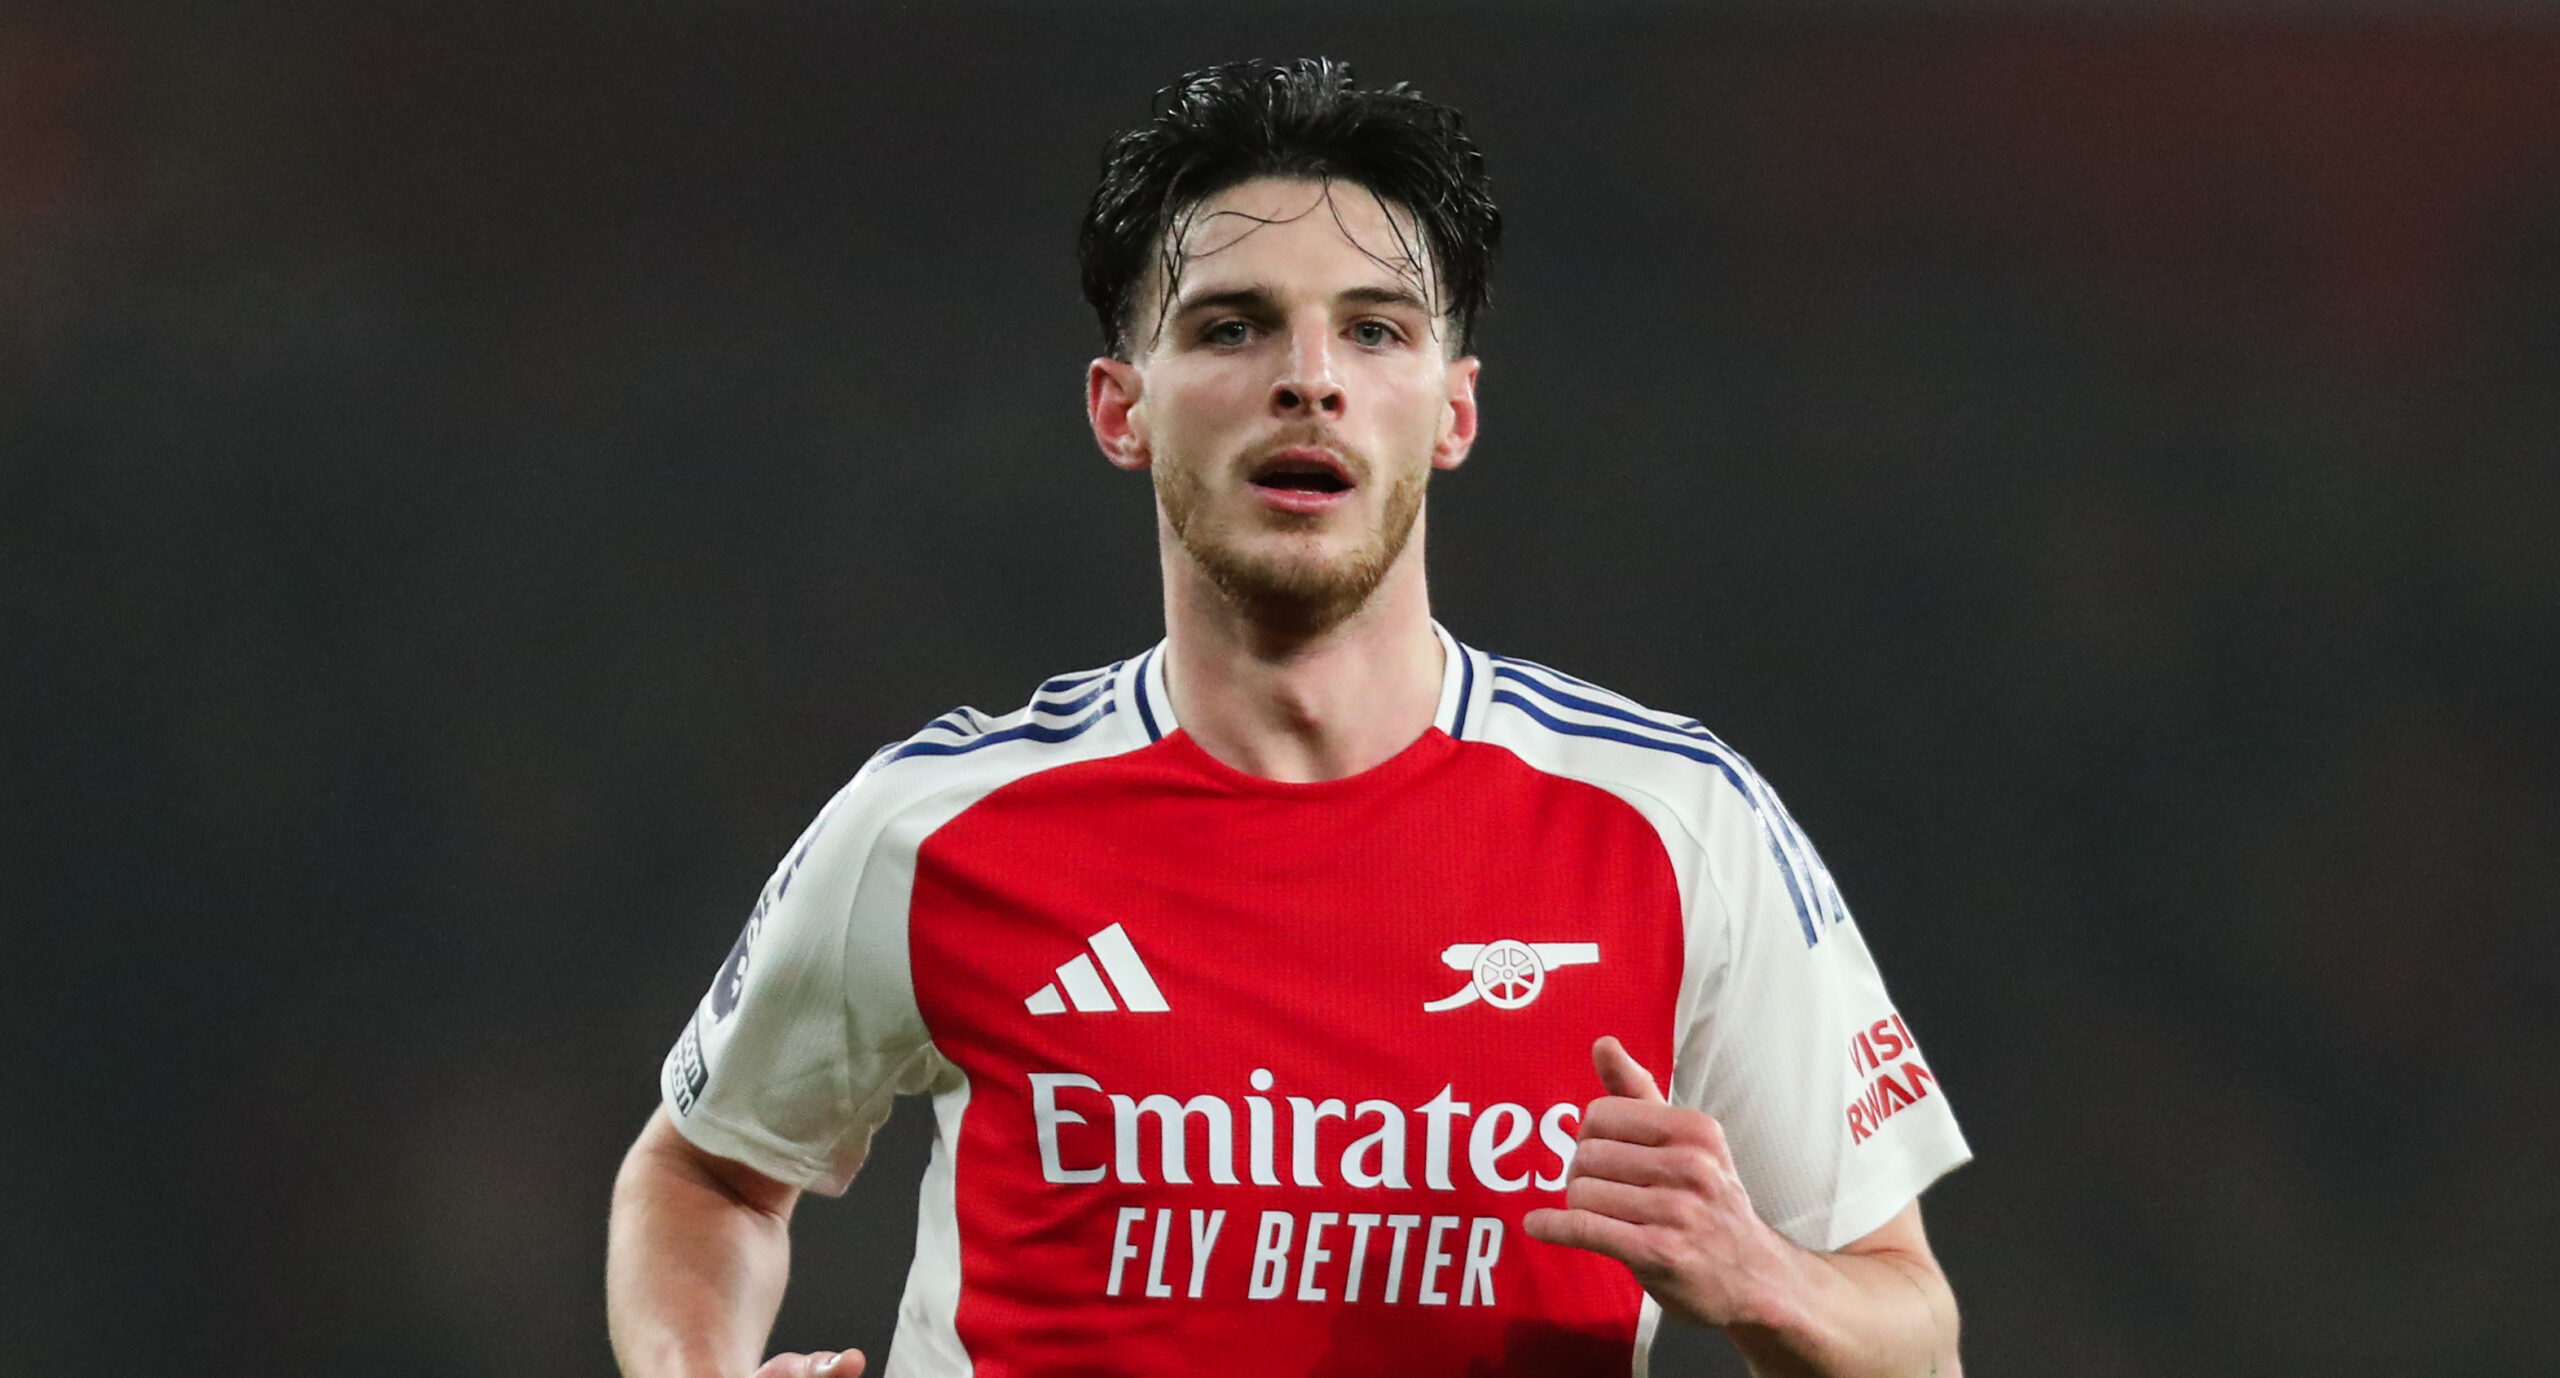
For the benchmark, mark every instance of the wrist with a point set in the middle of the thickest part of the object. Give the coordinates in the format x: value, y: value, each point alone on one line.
x: 1778, y: 1324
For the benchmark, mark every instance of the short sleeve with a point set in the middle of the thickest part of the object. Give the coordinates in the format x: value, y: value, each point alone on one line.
x: 792, y: 1059
x: 1834, y: 1118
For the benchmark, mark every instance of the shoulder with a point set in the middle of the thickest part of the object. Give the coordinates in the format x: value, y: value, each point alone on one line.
x: 965, y: 754
x: 1584, y: 730
x: 1063, y: 710
x: 1703, y: 794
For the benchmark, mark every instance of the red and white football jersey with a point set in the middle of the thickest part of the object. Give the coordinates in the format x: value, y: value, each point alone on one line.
x: 1260, y: 1075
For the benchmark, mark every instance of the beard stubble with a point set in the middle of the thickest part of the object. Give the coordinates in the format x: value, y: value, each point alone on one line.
x: 1297, y: 597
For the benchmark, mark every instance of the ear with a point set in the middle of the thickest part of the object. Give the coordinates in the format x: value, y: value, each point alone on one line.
x: 1111, y: 391
x: 1458, y: 423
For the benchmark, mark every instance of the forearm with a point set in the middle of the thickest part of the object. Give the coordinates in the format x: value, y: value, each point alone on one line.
x: 1872, y: 1315
x: 694, y: 1269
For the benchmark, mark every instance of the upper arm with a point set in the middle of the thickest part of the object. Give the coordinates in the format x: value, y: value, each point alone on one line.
x: 663, y: 1149
x: 1902, y: 1245
x: 1901, y: 1236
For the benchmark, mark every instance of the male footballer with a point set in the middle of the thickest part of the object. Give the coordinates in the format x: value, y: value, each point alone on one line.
x: 1292, y: 994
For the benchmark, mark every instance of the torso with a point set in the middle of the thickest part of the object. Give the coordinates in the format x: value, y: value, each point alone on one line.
x: 1299, y: 930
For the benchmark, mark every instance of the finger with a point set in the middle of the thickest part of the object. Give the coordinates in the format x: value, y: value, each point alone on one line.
x: 1635, y: 1122
x: 1634, y: 1205
x: 1586, y: 1230
x: 1621, y: 1073
x: 1638, y: 1165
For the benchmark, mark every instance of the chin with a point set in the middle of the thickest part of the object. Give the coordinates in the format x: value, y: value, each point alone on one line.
x: 1298, y: 592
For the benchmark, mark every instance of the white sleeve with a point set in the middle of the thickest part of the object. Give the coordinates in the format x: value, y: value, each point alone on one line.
x: 792, y: 1059
x: 1789, y: 1040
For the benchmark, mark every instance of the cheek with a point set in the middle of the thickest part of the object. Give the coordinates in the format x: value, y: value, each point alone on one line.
x: 1411, y: 409
x: 1188, y: 410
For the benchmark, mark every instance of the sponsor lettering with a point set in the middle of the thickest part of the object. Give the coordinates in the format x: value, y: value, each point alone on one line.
x: 1880, y: 1043
x: 1162, y: 1252
x: 1205, y: 1227
x: 1885, y: 1051
x: 1195, y: 1138
x: 1292, y: 1259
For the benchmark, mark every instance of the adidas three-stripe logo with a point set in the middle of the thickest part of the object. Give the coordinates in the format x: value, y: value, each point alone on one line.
x: 1088, y: 991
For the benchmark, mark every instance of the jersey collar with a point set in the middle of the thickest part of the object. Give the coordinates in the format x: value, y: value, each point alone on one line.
x: 1464, y: 682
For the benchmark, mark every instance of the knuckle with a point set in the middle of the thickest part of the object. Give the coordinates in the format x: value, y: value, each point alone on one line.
x: 1683, y: 1213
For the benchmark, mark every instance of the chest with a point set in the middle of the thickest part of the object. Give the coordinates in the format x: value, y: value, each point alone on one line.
x: 1478, y: 925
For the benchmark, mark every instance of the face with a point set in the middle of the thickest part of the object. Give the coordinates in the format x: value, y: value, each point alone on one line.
x: 1292, y: 398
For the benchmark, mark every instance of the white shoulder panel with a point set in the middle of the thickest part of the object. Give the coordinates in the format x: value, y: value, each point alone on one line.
x: 791, y: 1061
x: 1777, y: 983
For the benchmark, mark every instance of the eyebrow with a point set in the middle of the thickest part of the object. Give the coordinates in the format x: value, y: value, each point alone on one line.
x: 1260, y: 298
x: 1386, y: 296
x: 1235, y: 298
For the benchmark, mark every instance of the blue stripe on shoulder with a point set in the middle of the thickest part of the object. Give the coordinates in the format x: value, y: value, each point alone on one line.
x: 1023, y: 732
x: 1516, y: 663
x: 1701, y: 752
x: 1039, y: 705
x: 1623, y: 709
x: 1792, y: 846
x: 1698, y: 740
x: 1062, y: 683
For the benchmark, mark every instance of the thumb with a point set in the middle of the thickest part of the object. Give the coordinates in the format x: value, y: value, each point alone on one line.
x: 823, y: 1364
x: 1620, y: 1073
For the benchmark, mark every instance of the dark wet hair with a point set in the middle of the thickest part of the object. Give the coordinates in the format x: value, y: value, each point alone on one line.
x: 1222, y: 126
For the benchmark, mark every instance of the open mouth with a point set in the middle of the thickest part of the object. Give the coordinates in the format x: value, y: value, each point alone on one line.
x: 1302, y: 470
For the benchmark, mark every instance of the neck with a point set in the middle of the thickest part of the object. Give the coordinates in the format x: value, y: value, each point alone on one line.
x: 1302, y: 707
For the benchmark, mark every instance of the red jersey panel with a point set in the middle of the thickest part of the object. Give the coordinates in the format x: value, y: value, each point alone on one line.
x: 1287, y: 1062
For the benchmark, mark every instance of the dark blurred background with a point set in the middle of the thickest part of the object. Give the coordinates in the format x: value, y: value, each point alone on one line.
x: 473, y: 482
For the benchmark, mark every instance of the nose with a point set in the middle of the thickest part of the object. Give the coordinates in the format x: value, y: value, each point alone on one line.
x: 1307, y: 387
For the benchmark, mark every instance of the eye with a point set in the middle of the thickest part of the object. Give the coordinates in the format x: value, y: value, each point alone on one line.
x: 1374, y: 334
x: 1227, y: 332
